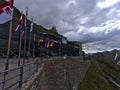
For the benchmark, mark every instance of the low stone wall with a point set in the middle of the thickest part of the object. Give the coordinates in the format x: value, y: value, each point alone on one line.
x: 59, y: 75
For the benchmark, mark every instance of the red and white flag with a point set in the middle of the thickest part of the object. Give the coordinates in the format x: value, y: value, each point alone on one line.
x: 19, y: 23
x: 6, y: 11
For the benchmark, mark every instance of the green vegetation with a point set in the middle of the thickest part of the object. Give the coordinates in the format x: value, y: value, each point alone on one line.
x: 95, y: 78
x: 110, y: 68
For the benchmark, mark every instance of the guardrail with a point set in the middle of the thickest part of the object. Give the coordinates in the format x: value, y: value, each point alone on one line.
x: 13, y: 79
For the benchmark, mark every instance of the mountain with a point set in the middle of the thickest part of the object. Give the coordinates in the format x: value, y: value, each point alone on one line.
x: 101, y: 75
x: 107, y: 55
x: 104, y: 72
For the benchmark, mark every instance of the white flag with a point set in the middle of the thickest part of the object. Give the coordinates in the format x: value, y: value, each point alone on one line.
x: 6, y: 11
x: 31, y: 26
x: 48, y: 44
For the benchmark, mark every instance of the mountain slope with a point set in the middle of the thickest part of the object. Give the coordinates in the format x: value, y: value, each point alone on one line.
x: 99, y: 75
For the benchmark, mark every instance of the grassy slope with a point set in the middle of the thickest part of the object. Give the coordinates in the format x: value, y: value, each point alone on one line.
x: 94, y: 79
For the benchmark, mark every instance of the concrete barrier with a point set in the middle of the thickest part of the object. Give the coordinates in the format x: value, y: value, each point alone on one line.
x: 59, y: 75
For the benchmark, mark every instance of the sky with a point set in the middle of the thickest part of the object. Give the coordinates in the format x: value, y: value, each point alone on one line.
x: 95, y: 23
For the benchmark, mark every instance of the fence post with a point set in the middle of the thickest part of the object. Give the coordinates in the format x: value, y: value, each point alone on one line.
x: 21, y: 77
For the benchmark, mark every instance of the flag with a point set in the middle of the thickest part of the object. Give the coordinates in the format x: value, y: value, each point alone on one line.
x: 19, y: 23
x: 47, y: 43
x: 34, y: 38
x: 6, y: 11
x: 26, y: 16
x: 52, y: 44
x: 40, y: 42
x: 31, y: 26
x: 59, y: 44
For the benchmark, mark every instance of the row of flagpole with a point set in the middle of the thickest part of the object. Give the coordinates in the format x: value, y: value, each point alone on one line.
x: 25, y: 36
x: 6, y: 14
x: 21, y: 32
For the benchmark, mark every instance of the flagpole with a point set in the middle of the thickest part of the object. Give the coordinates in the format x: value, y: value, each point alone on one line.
x: 9, y: 45
x: 25, y: 36
x: 28, y: 53
x: 34, y: 46
x: 24, y: 45
x: 29, y: 44
x: 41, y: 47
x: 48, y: 49
x: 30, y: 38
x: 33, y: 50
x: 20, y: 43
x: 59, y: 48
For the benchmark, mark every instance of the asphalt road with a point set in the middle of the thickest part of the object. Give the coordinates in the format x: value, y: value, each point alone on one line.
x: 13, y: 75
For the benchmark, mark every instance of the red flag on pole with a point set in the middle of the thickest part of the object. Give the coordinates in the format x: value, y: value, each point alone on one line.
x: 19, y: 23
x: 6, y: 11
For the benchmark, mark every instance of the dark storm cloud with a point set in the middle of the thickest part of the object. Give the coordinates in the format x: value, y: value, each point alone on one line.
x: 111, y: 41
x: 80, y: 20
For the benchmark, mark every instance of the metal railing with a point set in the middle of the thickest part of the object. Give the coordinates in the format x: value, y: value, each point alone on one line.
x: 15, y: 78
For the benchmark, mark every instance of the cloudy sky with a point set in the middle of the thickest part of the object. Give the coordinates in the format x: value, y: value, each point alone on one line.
x: 96, y: 23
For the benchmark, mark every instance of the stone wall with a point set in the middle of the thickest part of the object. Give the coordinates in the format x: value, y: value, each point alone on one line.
x: 60, y: 75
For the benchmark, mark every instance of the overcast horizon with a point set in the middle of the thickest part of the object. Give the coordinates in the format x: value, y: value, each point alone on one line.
x: 95, y: 23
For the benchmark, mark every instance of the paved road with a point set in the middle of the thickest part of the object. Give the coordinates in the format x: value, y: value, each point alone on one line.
x: 13, y: 63
x: 28, y: 70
